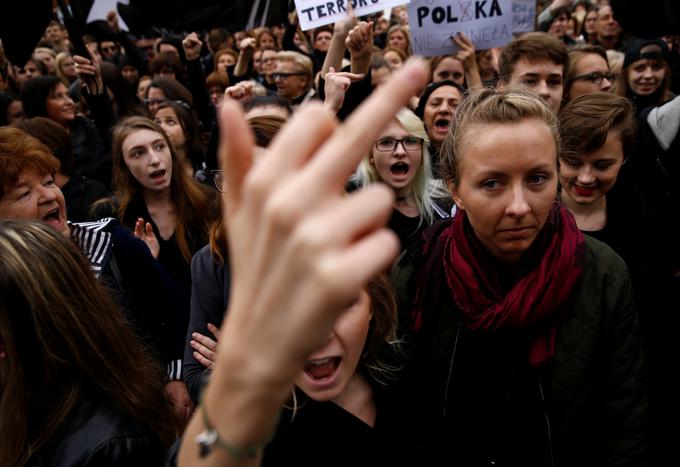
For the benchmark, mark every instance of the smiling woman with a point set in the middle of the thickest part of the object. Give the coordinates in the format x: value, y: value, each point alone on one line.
x: 47, y: 96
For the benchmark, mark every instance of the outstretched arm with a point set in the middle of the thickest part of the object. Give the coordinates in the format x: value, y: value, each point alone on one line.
x: 291, y: 279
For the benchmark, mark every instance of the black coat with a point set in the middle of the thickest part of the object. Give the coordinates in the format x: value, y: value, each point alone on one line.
x: 476, y: 400
x: 98, y: 434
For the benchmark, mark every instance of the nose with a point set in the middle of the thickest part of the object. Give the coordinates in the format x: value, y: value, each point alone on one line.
x: 648, y: 72
x: 518, y: 207
x: 47, y: 195
x: 543, y: 90
x: 605, y: 85
x: 154, y: 159
x: 585, y: 176
x: 399, y: 150
x: 444, y: 107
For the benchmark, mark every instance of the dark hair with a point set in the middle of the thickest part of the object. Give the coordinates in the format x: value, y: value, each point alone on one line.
x: 188, y: 120
x: 165, y: 61
x: 176, y: 42
x: 268, y: 101
x: 563, y: 10
x: 55, y: 357
x: 427, y: 92
x: 6, y: 99
x: 532, y: 47
x: 586, y: 121
x: 35, y: 93
x: 126, y: 101
x: 217, y: 37
x: 55, y: 137
x: 173, y: 90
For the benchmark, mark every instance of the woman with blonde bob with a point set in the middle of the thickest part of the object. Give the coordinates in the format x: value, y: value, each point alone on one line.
x: 76, y: 385
x: 400, y: 158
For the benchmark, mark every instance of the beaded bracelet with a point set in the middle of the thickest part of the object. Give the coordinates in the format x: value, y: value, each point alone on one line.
x: 209, y: 437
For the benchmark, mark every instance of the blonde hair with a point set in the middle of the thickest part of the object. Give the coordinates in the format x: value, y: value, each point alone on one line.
x: 398, y: 27
x: 301, y: 61
x: 492, y: 106
x: 59, y: 61
x: 424, y: 187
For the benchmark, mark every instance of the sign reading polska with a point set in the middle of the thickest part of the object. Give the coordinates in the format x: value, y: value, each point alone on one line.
x: 315, y: 13
x: 488, y: 23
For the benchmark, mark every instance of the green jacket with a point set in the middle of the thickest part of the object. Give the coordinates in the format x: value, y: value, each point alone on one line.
x: 477, y: 401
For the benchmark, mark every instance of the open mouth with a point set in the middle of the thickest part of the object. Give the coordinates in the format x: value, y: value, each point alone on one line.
x: 399, y: 169
x: 53, y: 216
x: 322, y: 369
x: 442, y: 124
x: 156, y: 174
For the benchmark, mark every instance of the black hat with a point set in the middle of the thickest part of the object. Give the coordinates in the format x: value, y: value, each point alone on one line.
x: 645, y: 48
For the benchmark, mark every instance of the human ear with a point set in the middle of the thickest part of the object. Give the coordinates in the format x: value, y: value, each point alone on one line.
x: 451, y: 185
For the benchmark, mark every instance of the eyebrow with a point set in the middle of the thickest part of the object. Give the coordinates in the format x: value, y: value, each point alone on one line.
x: 142, y: 146
x: 533, y: 74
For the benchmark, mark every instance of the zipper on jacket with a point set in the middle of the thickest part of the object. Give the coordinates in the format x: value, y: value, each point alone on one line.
x: 448, y: 378
x: 547, y: 424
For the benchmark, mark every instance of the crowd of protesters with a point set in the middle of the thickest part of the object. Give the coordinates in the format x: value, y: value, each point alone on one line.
x: 277, y: 247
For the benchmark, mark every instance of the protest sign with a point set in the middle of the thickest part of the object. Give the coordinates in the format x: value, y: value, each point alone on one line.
x: 523, y: 14
x: 315, y: 13
x: 487, y: 23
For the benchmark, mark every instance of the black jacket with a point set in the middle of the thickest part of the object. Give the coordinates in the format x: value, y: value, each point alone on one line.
x: 476, y: 400
x: 98, y: 434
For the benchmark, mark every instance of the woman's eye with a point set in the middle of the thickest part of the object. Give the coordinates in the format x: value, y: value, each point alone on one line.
x: 491, y: 184
x: 160, y: 146
x: 537, y: 179
x: 24, y: 194
x: 603, y: 166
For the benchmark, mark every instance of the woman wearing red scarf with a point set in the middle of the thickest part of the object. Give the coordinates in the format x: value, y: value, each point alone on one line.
x: 526, y: 343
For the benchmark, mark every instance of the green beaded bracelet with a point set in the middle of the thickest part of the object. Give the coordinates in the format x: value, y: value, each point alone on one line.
x: 209, y: 437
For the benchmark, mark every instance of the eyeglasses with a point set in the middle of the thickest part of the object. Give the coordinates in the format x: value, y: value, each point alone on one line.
x: 217, y: 177
x: 410, y: 143
x: 595, y: 77
x: 279, y: 75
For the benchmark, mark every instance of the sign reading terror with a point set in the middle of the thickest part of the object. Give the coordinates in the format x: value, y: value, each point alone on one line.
x: 315, y: 13
x: 488, y: 23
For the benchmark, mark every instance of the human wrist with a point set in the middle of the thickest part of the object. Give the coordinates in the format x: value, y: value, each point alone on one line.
x: 238, y: 395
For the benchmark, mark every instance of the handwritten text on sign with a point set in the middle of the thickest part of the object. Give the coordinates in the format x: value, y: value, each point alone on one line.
x: 315, y: 13
x: 488, y: 23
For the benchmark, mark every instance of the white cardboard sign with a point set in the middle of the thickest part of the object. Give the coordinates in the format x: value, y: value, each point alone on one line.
x: 315, y: 13
x: 523, y: 15
x: 487, y: 23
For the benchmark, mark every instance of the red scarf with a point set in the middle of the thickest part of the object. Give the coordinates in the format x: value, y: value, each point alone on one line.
x: 548, y: 273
